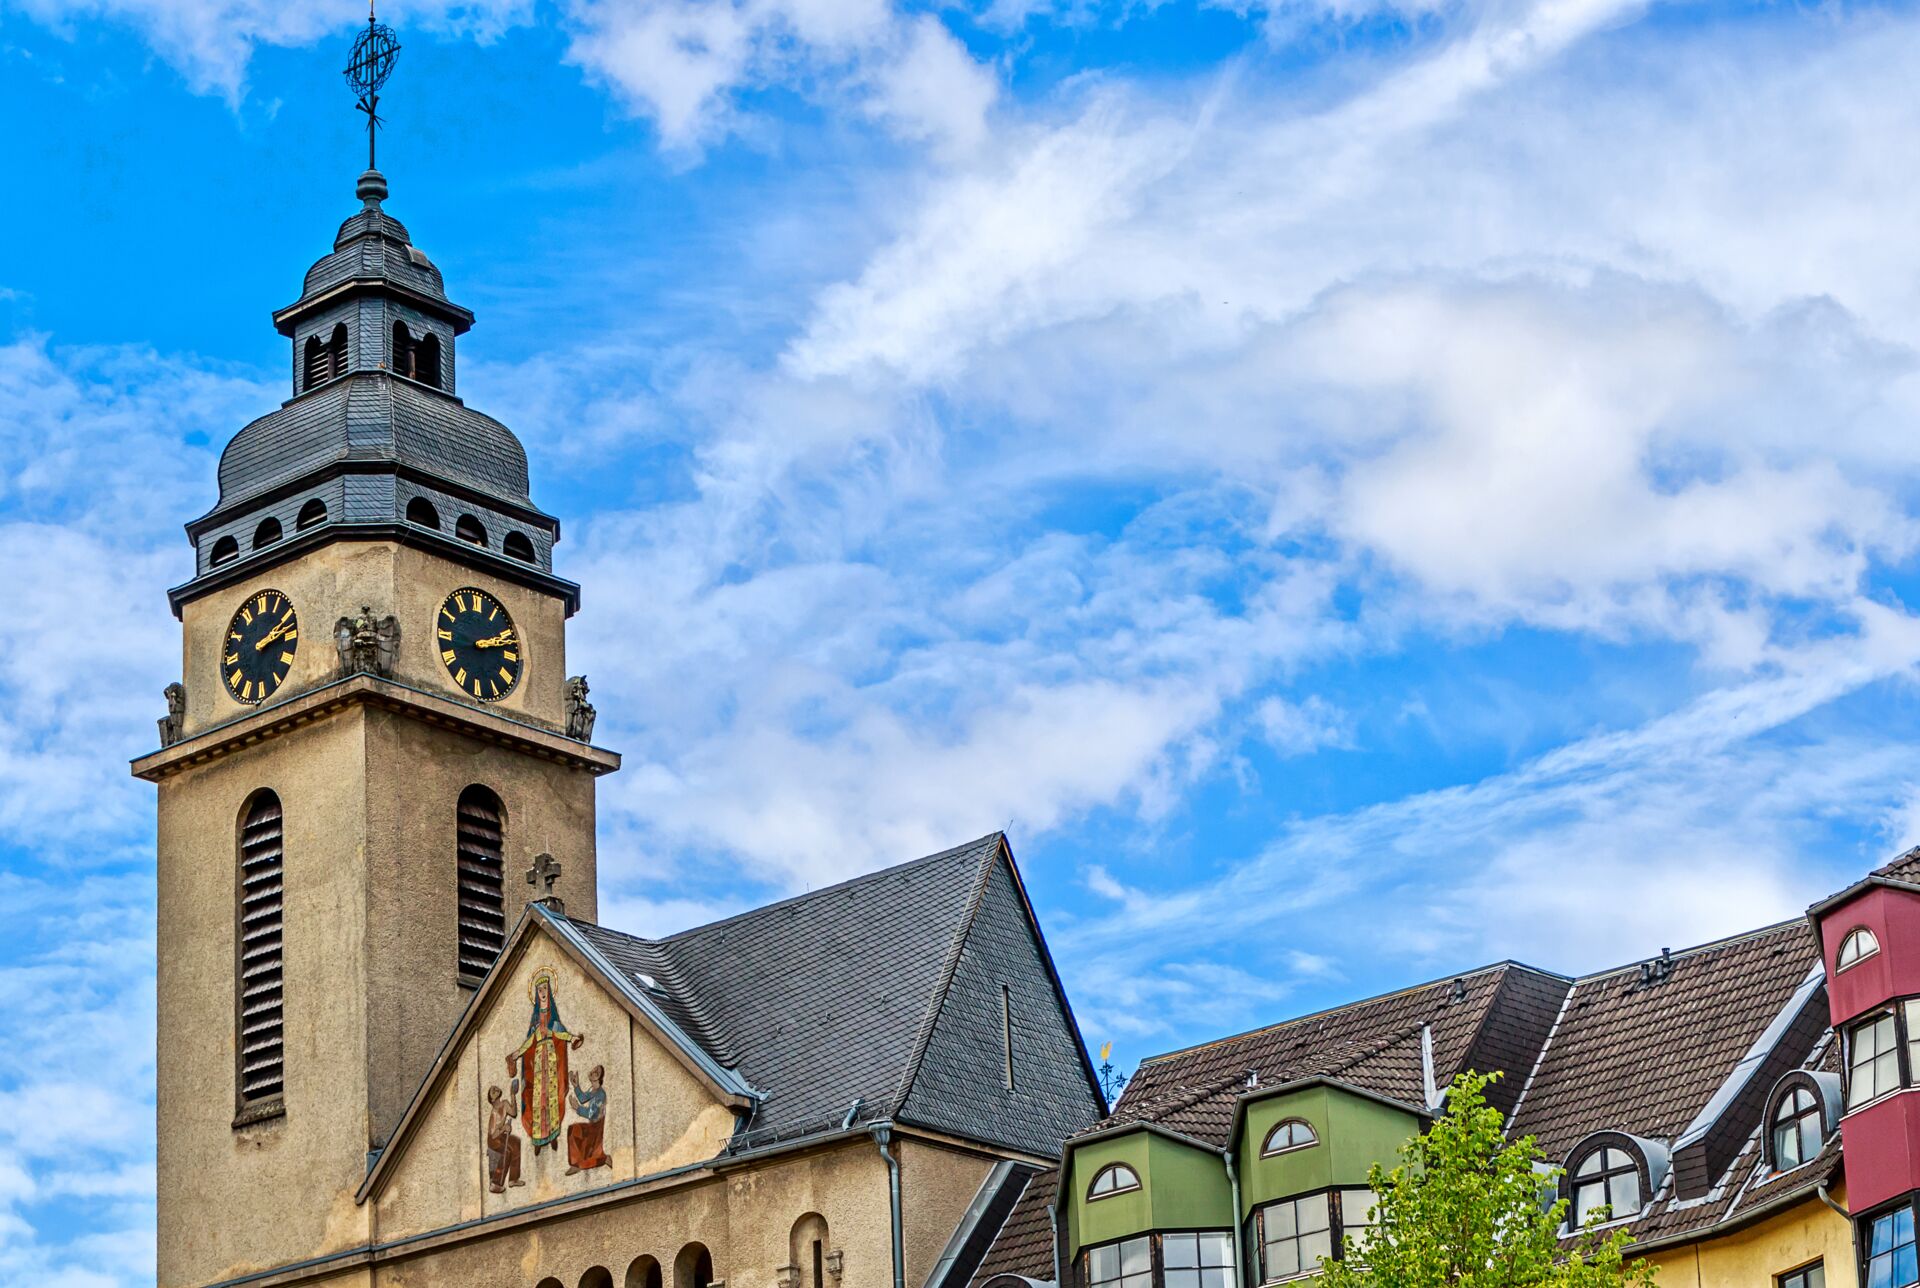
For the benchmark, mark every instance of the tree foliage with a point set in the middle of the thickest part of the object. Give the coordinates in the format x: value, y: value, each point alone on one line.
x: 1465, y: 1209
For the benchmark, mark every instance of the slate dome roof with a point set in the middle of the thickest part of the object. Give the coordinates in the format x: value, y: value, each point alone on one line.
x: 373, y: 246
x: 374, y: 416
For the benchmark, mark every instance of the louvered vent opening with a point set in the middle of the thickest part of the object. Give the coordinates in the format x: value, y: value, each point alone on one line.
x: 337, y: 351
x: 483, y: 915
x: 319, y: 364
x: 262, y: 1005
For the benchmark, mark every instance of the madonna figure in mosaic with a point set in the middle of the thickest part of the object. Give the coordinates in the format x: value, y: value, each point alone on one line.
x: 540, y: 1066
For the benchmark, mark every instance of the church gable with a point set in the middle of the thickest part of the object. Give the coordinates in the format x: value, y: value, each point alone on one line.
x: 554, y: 1083
x: 1002, y: 1059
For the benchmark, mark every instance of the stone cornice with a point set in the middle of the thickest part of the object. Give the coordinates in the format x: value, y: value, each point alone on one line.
x: 372, y: 690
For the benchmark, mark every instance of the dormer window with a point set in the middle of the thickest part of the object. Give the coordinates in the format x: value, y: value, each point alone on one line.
x: 1797, y: 1128
x: 1287, y: 1136
x: 468, y: 529
x: 225, y: 550
x: 1856, y: 948
x: 518, y: 546
x: 1114, y: 1178
x: 421, y: 511
x: 312, y: 515
x: 1607, y: 1176
x: 267, y: 533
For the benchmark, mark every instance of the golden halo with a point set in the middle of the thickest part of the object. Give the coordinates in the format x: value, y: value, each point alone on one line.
x: 533, y: 987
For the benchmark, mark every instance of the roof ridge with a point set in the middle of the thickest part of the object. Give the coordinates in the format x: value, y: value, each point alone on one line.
x: 803, y: 896
x: 924, y: 1037
x: 1695, y: 949
x: 1325, y: 1012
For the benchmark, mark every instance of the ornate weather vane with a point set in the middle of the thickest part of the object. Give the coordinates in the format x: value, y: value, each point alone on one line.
x: 372, y: 62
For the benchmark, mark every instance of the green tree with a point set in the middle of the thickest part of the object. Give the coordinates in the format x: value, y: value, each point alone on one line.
x: 1465, y: 1209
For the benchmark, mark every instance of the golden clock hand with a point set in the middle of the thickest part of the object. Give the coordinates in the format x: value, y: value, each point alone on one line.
x: 496, y: 641
x: 275, y: 633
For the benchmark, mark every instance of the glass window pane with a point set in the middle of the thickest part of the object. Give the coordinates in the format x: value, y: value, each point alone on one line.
x: 1216, y: 1249
x: 1626, y: 1194
x: 1786, y: 1147
x: 1103, y: 1264
x: 1315, y: 1246
x: 1810, y: 1136
x: 1280, y: 1222
x: 1179, y: 1250
x: 1182, y: 1277
x: 1815, y: 1276
x: 1882, y: 1235
x: 1591, y: 1165
x: 1136, y: 1255
x: 1880, y: 1272
x: 1903, y: 1225
x: 1313, y: 1213
x: 1283, y: 1258
x: 1905, y: 1271
x: 1586, y: 1198
x: 1217, y: 1277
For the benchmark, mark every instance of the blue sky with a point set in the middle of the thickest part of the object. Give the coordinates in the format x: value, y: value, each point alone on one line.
x: 1357, y: 488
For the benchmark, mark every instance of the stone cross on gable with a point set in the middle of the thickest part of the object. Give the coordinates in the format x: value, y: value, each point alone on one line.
x: 546, y: 868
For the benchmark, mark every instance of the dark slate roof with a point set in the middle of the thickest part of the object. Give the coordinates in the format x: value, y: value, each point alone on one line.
x: 1025, y: 1243
x: 839, y: 996
x: 1478, y: 1020
x: 374, y: 247
x: 373, y: 416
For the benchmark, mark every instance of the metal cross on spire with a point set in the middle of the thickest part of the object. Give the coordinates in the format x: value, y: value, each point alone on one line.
x: 367, y: 70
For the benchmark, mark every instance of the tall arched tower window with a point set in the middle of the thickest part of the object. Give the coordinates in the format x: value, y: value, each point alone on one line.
x: 480, y: 854
x: 260, y: 1005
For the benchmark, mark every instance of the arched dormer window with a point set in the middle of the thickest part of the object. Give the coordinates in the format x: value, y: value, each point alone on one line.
x: 225, y: 550
x: 1114, y: 1178
x: 1796, y: 1120
x: 480, y: 862
x: 260, y: 1009
x: 267, y: 533
x: 426, y: 361
x: 1292, y: 1134
x: 421, y: 511
x: 1606, y: 1173
x: 312, y: 515
x: 518, y: 546
x: 468, y: 529
x: 1855, y: 948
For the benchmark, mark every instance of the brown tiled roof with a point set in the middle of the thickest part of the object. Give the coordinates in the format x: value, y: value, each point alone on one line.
x: 1024, y: 1245
x: 1645, y: 1059
x: 1374, y: 1044
x: 1904, y: 868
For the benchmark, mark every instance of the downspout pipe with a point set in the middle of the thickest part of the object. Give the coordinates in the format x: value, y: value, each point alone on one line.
x: 1233, y: 1184
x: 1820, y: 1192
x: 883, y: 1137
x: 1053, y: 1229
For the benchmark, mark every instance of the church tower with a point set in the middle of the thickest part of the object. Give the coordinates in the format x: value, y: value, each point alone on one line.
x: 373, y: 748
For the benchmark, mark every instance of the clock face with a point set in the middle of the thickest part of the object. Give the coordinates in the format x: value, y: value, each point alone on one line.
x: 260, y: 644
x: 478, y: 645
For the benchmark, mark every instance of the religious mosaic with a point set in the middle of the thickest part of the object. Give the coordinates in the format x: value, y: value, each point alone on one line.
x: 546, y: 1105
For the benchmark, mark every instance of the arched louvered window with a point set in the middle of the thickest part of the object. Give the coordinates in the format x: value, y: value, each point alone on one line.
x: 324, y: 362
x: 267, y: 533
x: 518, y: 546
x: 480, y: 843
x: 226, y: 548
x: 312, y: 515
x: 468, y: 528
x: 261, y: 1004
x: 426, y: 360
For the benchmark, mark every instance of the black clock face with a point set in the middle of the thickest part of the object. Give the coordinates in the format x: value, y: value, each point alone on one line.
x: 260, y: 644
x: 478, y: 645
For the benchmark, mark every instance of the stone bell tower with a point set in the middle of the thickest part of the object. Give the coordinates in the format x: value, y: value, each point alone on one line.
x: 375, y: 738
